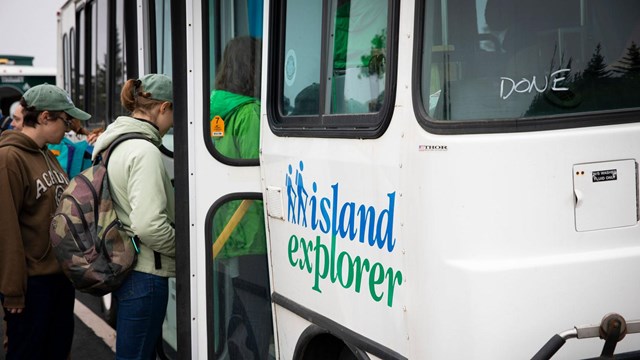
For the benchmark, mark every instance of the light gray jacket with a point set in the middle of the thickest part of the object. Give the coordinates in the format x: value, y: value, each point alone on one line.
x: 142, y: 192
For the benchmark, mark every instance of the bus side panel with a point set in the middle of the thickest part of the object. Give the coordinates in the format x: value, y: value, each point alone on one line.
x: 498, y: 250
x: 338, y: 247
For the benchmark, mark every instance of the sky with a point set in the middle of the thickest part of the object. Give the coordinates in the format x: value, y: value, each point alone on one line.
x: 29, y: 28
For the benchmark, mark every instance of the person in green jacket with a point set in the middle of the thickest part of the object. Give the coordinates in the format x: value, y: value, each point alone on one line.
x: 242, y: 260
x: 235, y: 100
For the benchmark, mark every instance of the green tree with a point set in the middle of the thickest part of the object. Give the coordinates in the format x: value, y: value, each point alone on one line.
x: 630, y: 64
x: 374, y: 62
x: 597, y: 68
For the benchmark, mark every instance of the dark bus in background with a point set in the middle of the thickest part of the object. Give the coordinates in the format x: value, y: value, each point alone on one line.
x: 17, y: 75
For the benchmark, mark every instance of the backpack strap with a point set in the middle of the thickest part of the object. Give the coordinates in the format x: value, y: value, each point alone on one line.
x: 105, y: 155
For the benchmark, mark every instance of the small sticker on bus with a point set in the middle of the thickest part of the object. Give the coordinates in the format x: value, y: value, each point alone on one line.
x: 217, y: 127
x: 432, y: 148
x: 604, y: 175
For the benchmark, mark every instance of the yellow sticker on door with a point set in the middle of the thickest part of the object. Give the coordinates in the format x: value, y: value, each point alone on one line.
x: 217, y: 127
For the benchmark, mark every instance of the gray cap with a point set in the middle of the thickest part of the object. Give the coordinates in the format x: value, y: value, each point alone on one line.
x: 47, y: 97
x: 160, y: 86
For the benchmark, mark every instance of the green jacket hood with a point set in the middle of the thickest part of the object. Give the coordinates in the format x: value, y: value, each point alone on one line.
x: 124, y: 125
x: 222, y: 102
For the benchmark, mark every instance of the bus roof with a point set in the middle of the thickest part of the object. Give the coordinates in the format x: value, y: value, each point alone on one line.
x: 19, y: 70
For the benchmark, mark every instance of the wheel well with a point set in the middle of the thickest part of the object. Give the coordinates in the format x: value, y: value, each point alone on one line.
x: 316, y: 343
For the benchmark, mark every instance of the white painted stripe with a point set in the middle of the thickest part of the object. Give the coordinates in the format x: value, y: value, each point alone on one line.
x: 95, y: 323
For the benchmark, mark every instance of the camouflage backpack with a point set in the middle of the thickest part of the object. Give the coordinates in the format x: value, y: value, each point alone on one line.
x: 86, y: 235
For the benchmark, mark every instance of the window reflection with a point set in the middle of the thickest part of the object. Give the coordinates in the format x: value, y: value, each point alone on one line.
x: 301, y: 92
x: 98, y: 106
x: 356, y: 74
x: 119, y: 68
x: 359, y: 56
x: 499, y: 59
x: 163, y: 37
x: 241, y: 303
x: 235, y: 100
x: 235, y: 52
x: 80, y: 94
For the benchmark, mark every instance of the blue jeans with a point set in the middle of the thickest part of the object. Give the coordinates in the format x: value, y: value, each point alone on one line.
x: 142, y: 304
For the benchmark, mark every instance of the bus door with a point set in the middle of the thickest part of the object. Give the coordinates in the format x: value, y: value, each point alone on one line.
x: 331, y: 157
x: 231, y: 243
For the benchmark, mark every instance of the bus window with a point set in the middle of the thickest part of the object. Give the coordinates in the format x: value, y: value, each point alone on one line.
x: 66, y: 63
x: 119, y: 57
x: 356, y: 73
x: 71, y: 68
x: 238, y: 282
x: 98, y: 106
x: 504, y: 59
x: 301, y: 93
x: 163, y: 64
x: 334, y: 68
x: 235, y: 58
x: 81, y: 38
x: 359, y: 56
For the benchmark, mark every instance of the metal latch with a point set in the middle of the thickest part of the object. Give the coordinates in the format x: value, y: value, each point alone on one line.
x: 612, y: 329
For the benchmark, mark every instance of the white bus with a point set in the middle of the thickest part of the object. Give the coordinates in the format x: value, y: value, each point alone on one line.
x: 433, y: 179
x: 17, y: 75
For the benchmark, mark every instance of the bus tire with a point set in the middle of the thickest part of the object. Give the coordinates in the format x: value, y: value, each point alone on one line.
x: 316, y: 343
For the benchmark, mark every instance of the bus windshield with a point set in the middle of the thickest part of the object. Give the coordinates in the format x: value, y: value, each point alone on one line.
x: 509, y: 59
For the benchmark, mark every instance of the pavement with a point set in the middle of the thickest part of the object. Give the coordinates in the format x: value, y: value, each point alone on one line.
x: 86, y: 345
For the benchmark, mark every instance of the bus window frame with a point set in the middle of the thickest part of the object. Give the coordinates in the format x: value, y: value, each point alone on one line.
x: 362, y: 126
x: 208, y: 238
x: 84, y: 24
x: 513, y: 125
x: 66, y: 61
x: 208, y: 86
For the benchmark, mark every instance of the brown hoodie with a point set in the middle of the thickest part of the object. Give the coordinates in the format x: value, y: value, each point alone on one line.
x: 31, y: 182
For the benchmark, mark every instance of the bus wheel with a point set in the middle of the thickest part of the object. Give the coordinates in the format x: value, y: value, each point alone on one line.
x: 326, y: 346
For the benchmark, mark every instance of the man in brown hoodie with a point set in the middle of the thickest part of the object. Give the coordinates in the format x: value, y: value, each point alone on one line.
x: 36, y: 296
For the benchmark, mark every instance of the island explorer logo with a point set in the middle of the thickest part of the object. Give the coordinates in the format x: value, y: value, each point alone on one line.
x: 336, y: 220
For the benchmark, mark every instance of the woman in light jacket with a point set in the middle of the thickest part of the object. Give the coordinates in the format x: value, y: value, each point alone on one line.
x: 144, y: 202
